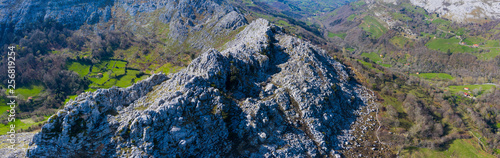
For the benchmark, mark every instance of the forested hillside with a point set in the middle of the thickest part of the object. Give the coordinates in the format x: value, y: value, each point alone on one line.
x: 60, y: 58
x: 436, y: 79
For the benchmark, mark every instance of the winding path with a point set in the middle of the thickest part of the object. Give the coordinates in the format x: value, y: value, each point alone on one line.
x: 479, y: 141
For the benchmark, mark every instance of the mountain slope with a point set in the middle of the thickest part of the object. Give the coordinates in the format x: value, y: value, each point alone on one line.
x: 399, y: 50
x: 462, y: 10
x: 267, y: 94
x: 56, y: 39
x: 207, y: 19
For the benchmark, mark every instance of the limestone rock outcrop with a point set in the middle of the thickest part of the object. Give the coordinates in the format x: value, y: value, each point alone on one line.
x: 266, y: 94
x: 462, y: 10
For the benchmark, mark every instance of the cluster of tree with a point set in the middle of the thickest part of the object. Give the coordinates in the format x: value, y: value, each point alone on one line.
x: 432, y: 112
x: 427, y: 112
x: 37, y: 65
x: 485, y: 114
x: 432, y: 117
x: 48, y: 71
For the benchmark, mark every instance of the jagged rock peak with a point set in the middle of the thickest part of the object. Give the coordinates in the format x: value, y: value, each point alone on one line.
x: 267, y: 94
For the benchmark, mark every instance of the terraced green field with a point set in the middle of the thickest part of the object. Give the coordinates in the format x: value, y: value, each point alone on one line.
x: 494, y: 52
x: 130, y: 78
x: 80, y: 68
x: 442, y: 76
x: 480, y: 88
x: 440, y: 21
x: 460, y: 148
x: 451, y: 44
x: 401, y: 17
x: 473, y: 40
x: 492, y: 43
x: 282, y: 23
x: 107, y: 73
x: 373, y: 57
x: 332, y: 35
x: 168, y: 68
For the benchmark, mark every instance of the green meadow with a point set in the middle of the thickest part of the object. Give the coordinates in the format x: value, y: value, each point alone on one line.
x: 332, y: 35
x: 493, y: 52
x: 460, y: 148
x: 107, y: 73
x: 24, y: 92
x: 401, y: 42
x: 375, y: 58
x: 369, y: 65
x: 480, y: 88
x: 371, y: 25
x: 451, y: 44
x: 442, y: 76
x: 20, y: 124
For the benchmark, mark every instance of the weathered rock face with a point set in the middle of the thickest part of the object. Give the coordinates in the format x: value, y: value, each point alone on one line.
x: 208, y: 19
x: 267, y: 94
x: 462, y: 10
x: 71, y: 13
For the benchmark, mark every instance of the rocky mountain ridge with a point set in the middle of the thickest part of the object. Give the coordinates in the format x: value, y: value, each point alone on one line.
x: 462, y: 10
x: 267, y: 94
x: 209, y: 20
